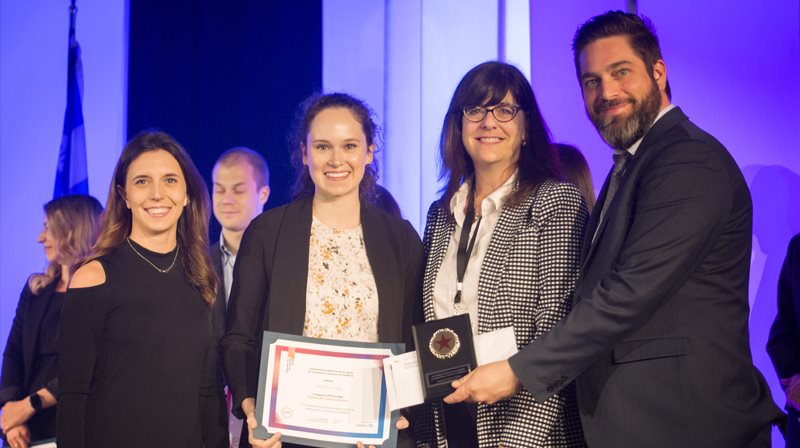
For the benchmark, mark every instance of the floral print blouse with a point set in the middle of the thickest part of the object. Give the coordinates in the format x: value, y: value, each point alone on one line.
x: 341, y: 296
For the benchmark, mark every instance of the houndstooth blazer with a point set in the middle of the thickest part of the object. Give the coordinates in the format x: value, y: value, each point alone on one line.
x: 526, y: 281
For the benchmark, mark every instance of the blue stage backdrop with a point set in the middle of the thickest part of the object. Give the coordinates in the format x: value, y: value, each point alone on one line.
x: 220, y: 74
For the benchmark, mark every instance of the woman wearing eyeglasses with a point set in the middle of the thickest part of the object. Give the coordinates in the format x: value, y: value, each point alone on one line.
x: 502, y: 244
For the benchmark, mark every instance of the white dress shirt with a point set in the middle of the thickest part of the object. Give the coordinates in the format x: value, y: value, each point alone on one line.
x: 635, y: 146
x: 444, y: 289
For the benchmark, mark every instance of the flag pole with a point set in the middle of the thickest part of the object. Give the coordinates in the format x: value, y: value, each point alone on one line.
x: 72, y: 54
x: 71, y: 172
x: 73, y: 11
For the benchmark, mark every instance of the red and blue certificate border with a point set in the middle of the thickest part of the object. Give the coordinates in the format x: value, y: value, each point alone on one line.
x: 274, y: 420
x: 281, y: 350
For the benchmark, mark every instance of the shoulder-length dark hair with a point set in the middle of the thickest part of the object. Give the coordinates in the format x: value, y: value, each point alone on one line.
x: 309, y: 109
x: 192, y: 225
x: 575, y: 169
x: 485, y: 85
x: 74, y: 221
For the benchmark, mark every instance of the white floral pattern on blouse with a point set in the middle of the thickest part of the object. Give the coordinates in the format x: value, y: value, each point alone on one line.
x: 341, y: 296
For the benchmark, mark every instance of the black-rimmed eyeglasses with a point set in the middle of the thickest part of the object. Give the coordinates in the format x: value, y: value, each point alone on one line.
x: 502, y: 113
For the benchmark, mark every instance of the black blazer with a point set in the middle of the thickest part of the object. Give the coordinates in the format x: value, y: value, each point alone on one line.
x: 658, y: 337
x: 18, y: 357
x: 784, y: 336
x: 269, y: 286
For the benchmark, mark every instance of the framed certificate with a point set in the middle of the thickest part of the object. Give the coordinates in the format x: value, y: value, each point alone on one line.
x: 325, y: 393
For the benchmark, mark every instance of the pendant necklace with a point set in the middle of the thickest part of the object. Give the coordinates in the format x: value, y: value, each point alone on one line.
x: 163, y: 271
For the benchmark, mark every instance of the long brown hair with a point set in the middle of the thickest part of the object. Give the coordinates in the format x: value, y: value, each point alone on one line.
x: 192, y: 225
x: 576, y: 170
x: 485, y: 85
x: 309, y: 109
x: 73, y: 221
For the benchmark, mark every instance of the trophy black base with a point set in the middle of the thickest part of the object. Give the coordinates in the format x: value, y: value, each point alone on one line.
x: 446, y: 353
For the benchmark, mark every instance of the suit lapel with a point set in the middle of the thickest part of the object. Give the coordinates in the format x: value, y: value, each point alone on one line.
x: 287, y: 292
x: 595, y: 226
x: 649, y: 144
x: 591, y: 226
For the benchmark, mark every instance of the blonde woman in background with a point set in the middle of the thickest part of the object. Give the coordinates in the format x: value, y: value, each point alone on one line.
x: 29, y: 384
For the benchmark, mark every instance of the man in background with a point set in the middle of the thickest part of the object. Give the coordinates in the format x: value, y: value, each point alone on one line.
x: 240, y: 189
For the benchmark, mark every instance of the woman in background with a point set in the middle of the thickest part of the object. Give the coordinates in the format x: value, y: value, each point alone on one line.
x: 575, y: 170
x: 136, y: 324
x: 502, y: 244
x: 327, y: 265
x: 29, y: 386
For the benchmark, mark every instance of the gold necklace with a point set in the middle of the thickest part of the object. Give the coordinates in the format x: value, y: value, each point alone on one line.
x: 163, y: 271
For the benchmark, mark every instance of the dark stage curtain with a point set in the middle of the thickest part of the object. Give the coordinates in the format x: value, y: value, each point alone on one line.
x: 221, y: 74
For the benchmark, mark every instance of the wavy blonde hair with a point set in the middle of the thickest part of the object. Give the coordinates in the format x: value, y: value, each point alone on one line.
x: 74, y: 222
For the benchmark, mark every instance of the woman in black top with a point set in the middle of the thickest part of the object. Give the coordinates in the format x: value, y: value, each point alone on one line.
x: 28, y: 386
x: 136, y: 324
x: 327, y: 265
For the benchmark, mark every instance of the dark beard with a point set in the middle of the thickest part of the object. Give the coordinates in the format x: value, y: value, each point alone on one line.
x: 622, y: 133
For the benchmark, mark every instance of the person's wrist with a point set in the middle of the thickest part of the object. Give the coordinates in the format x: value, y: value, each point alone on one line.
x: 248, y: 406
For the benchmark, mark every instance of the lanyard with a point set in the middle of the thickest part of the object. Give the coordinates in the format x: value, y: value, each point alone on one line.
x: 465, y: 245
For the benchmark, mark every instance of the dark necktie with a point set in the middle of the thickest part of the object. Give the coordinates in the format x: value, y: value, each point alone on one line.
x: 620, y: 162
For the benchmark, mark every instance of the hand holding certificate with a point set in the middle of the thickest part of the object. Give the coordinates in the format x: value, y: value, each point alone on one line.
x: 324, y: 393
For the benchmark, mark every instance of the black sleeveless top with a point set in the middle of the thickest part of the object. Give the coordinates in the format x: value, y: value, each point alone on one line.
x: 131, y: 356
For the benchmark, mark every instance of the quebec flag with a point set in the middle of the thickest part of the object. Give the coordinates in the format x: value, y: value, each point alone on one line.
x: 71, y: 174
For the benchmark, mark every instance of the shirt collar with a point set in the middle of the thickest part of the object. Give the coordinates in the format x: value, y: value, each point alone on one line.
x: 632, y: 150
x: 490, y: 204
x: 226, y: 254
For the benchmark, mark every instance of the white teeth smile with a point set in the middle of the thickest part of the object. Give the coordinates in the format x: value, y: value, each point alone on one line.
x: 490, y: 139
x: 158, y: 211
x: 336, y: 175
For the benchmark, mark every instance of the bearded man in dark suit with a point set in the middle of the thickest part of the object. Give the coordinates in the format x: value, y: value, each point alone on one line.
x: 657, y: 341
